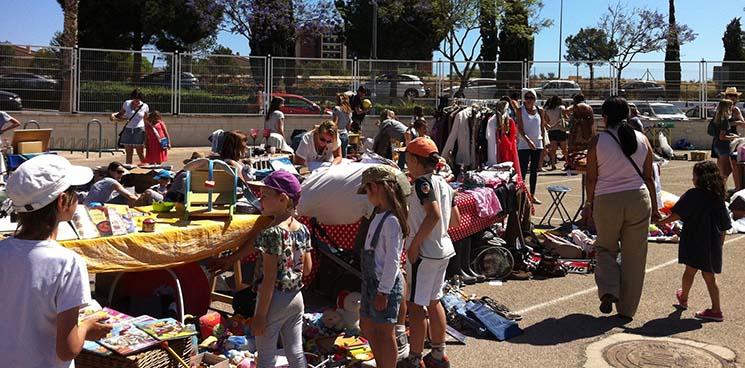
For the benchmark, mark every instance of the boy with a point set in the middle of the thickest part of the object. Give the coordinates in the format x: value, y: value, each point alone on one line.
x: 47, y: 282
x: 431, y: 211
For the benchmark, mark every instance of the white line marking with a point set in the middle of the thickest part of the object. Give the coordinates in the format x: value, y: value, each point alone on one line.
x: 594, y: 288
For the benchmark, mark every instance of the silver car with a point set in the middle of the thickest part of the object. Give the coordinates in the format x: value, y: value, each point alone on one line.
x: 478, y: 88
x: 407, y: 85
x: 660, y: 111
x: 561, y: 88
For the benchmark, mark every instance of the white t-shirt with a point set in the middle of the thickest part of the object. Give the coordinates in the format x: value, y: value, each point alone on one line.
x: 307, y: 149
x: 139, y: 120
x: 387, y: 252
x: 532, y: 128
x: 344, y: 118
x: 4, y: 118
x: 273, y: 122
x: 430, y: 188
x: 556, y: 116
x: 39, y: 279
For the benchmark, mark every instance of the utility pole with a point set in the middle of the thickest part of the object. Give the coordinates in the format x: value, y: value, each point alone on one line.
x: 561, y: 21
x: 375, y: 30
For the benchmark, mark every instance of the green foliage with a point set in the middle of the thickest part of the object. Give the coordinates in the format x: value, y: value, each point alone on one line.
x: 734, y: 50
x: 672, y: 55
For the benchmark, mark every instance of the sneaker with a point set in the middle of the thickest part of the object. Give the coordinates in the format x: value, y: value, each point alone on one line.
x: 709, y: 315
x: 431, y: 362
x: 537, y: 201
x: 606, y: 303
x: 408, y: 363
x: 402, y: 344
x: 681, y: 302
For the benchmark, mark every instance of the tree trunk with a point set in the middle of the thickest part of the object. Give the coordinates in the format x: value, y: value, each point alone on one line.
x: 70, y: 39
x: 592, y: 79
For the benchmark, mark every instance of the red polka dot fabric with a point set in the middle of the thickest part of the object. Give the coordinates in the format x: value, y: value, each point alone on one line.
x: 470, y: 221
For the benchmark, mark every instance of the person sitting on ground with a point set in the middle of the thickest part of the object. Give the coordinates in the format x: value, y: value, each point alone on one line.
x: 322, y: 144
x: 157, y: 193
x: 389, y: 131
x: 102, y: 190
x: 48, y: 283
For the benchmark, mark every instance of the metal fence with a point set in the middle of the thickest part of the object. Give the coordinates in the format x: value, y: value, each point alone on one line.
x: 97, y: 81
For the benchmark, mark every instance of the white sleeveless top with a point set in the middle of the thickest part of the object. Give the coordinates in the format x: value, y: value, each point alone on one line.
x: 532, y: 128
x: 615, y: 172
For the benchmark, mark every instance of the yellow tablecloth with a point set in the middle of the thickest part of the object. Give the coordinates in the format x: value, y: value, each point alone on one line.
x: 173, y: 243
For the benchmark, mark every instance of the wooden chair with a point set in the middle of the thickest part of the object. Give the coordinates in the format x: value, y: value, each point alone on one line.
x: 211, y: 192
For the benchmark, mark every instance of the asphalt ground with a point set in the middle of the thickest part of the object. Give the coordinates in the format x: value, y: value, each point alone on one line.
x: 561, y: 316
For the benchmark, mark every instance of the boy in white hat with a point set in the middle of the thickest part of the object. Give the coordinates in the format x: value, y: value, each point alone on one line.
x: 46, y: 283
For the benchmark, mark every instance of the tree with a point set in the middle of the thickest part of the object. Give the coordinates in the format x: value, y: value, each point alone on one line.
x: 69, y: 38
x: 672, y: 56
x: 591, y: 46
x: 734, y: 53
x: 489, y: 40
x: 638, y: 31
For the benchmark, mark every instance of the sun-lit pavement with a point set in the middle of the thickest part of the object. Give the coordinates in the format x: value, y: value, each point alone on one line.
x: 561, y: 317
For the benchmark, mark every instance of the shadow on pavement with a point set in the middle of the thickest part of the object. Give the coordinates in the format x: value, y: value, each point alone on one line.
x: 569, y: 328
x: 667, y: 326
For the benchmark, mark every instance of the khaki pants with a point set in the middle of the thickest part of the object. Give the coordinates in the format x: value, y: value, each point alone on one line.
x: 623, y: 217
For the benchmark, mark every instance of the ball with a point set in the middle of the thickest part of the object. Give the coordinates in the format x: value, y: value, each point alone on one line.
x: 366, y: 104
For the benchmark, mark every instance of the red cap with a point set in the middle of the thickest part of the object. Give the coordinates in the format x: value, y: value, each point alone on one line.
x: 422, y: 146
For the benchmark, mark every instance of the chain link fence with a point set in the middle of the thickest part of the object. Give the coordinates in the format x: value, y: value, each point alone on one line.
x: 98, y: 81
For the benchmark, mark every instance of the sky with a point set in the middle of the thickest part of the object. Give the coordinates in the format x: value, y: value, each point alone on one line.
x: 35, y: 21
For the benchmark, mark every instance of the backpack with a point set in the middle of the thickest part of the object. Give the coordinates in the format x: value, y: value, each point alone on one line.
x: 712, y: 129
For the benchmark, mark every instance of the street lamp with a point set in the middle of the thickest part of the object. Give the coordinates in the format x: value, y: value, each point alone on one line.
x: 561, y: 21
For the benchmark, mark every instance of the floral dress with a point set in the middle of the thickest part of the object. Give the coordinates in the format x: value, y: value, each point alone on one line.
x: 289, y: 246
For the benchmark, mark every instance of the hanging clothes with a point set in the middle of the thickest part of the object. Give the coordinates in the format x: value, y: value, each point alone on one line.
x: 461, y: 134
x: 491, y: 141
x: 507, y: 146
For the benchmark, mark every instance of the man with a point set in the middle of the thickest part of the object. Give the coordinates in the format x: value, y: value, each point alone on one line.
x: 358, y: 111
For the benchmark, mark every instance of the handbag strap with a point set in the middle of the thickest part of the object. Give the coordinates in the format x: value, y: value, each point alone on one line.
x: 627, y: 156
x: 378, y: 229
x: 135, y: 113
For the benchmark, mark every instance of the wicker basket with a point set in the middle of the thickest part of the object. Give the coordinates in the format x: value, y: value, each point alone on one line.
x: 155, y: 357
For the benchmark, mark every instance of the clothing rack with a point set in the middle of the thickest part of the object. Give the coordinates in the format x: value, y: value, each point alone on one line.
x: 471, y: 101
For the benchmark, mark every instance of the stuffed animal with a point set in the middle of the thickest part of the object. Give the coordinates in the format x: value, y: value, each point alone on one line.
x: 332, y: 320
x: 348, y: 305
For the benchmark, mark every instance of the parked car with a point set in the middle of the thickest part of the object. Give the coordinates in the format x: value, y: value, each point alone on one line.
x: 561, y: 88
x: 407, y: 85
x: 694, y: 112
x: 163, y: 79
x: 642, y: 90
x: 295, y: 104
x: 475, y: 88
x: 660, y: 111
x: 17, y: 82
x: 10, y: 101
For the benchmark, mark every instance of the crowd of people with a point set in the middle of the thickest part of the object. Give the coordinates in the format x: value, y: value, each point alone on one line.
x: 413, y: 215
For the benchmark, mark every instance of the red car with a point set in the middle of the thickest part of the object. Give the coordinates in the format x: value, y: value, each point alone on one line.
x: 295, y: 104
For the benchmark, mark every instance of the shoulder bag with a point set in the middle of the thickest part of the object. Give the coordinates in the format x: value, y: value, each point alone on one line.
x: 119, y: 141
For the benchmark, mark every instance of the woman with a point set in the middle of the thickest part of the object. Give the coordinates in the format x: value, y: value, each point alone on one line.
x: 530, y: 131
x: 342, y: 117
x: 274, y: 120
x: 735, y: 119
x: 102, y: 190
x: 321, y: 144
x: 132, y: 137
x: 233, y: 148
x: 389, y: 130
x: 620, y: 192
x: 557, y: 128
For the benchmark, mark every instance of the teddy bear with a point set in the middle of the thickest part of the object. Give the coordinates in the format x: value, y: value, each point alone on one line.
x: 348, y: 305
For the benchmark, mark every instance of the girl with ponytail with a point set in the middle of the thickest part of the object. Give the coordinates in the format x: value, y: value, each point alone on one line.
x: 620, y: 192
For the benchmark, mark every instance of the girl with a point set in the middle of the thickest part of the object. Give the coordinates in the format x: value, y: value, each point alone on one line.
x: 720, y: 142
x: 382, y: 281
x: 285, y: 258
x: 275, y: 119
x: 342, y: 117
x: 705, y: 219
x: 158, y: 141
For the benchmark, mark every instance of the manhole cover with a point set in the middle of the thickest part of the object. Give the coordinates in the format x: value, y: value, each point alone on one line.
x: 652, y: 353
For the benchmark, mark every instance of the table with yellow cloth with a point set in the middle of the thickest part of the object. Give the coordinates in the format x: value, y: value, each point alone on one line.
x: 175, y: 242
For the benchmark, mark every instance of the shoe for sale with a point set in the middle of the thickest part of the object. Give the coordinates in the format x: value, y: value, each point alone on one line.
x: 431, y: 362
x: 681, y: 302
x: 709, y: 315
x: 606, y: 303
x: 402, y: 344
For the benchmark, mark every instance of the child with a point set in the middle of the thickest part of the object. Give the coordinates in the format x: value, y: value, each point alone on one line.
x: 431, y: 211
x: 158, y: 192
x: 705, y: 220
x: 285, y: 248
x: 382, y: 281
x: 47, y: 282
x: 157, y: 142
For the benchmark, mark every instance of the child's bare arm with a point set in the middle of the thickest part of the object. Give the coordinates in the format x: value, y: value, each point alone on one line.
x: 454, y: 217
x: 307, y: 263
x: 432, y: 216
x: 672, y: 218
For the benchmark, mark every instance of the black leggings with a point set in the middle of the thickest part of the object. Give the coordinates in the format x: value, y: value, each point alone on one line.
x: 532, y: 156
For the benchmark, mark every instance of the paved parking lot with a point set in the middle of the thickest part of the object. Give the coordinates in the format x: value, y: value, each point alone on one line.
x: 561, y: 317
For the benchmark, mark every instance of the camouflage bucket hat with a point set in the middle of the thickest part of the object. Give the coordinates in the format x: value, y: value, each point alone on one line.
x: 381, y: 173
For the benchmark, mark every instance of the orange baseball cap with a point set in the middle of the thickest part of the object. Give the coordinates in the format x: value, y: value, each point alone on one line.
x: 422, y: 146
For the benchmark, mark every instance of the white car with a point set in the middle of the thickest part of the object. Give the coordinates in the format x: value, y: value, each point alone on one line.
x: 660, y: 111
x: 477, y: 88
x: 561, y: 88
x: 407, y: 85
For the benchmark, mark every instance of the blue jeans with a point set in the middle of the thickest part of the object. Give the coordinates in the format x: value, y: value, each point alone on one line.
x: 370, y: 289
x: 344, y: 138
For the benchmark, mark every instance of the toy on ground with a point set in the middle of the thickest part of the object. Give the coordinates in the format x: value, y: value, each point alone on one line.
x: 348, y: 305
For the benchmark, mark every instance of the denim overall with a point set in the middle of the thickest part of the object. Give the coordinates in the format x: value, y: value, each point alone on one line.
x: 370, y: 285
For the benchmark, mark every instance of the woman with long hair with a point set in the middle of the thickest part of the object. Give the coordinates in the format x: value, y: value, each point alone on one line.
x: 342, y: 117
x: 620, y: 192
x: 530, y: 132
x: 726, y: 132
x: 274, y: 120
x: 557, y: 128
x: 321, y: 144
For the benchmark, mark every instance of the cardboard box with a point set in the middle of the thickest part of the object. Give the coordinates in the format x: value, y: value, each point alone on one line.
x: 209, y: 358
x: 32, y: 135
x: 699, y: 155
x: 30, y: 147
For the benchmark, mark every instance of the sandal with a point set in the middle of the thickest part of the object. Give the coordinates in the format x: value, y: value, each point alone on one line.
x: 681, y: 302
x: 709, y: 315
